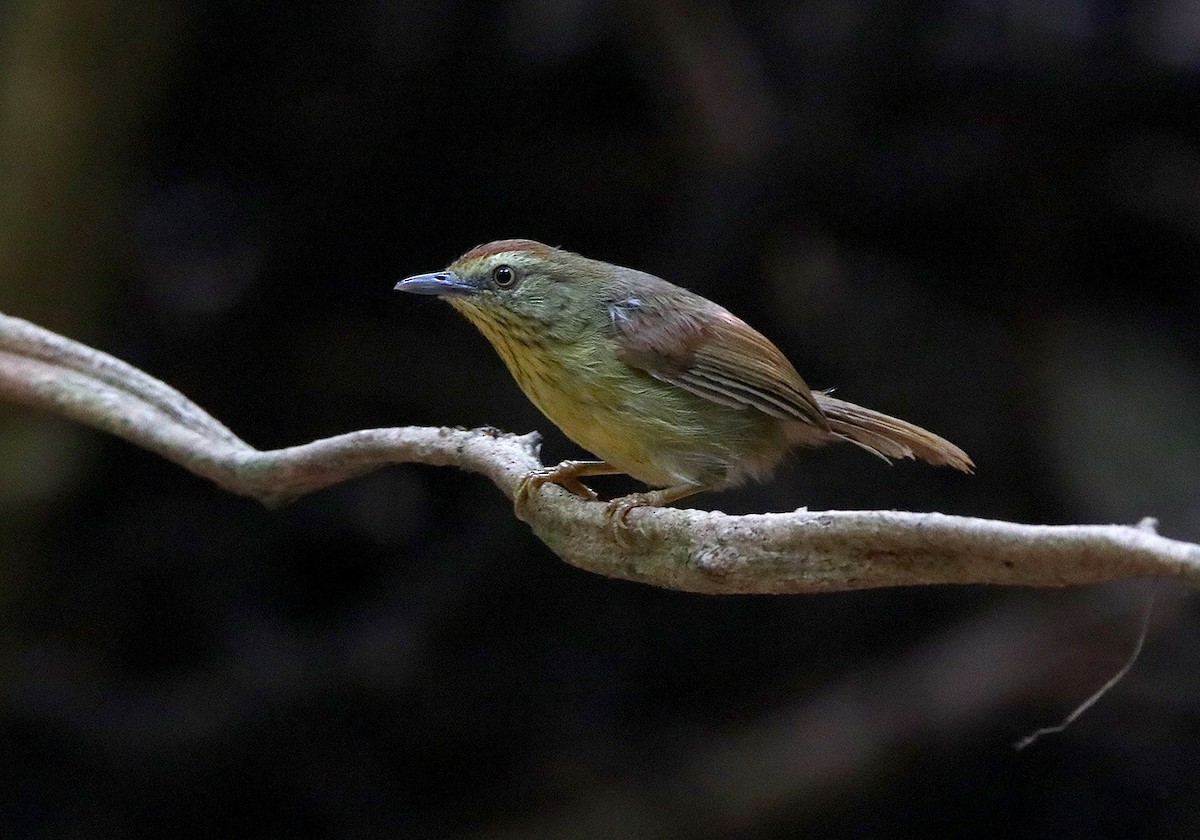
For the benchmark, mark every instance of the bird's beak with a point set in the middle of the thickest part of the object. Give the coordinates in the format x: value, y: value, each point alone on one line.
x: 441, y: 283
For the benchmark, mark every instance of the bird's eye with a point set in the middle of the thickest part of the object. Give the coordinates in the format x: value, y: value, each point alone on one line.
x: 504, y: 276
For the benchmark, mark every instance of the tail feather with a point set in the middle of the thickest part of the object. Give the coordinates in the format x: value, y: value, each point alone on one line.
x: 889, y: 437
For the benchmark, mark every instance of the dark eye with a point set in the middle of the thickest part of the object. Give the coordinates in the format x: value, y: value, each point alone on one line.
x: 504, y: 276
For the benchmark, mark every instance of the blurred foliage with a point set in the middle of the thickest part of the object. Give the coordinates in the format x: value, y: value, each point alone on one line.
x: 983, y: 218
x: 75, y: 80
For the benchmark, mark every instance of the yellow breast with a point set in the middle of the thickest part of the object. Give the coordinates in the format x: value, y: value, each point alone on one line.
x: 659, y: 434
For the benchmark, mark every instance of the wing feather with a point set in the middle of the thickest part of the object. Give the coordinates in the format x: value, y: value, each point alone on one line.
x: 679, y: 337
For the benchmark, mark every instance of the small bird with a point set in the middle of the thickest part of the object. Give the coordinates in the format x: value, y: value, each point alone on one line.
x: 659, y: 382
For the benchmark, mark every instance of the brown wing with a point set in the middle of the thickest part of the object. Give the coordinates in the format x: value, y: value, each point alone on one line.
x: 689, y: 341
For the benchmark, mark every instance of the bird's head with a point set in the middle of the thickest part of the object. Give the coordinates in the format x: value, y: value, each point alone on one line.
x: 518, y: 285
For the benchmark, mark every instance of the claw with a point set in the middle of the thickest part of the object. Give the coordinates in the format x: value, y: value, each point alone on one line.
x: 616, y: 515
x: 531, y: 482
x: 616, y: 512
x: 566, y: 475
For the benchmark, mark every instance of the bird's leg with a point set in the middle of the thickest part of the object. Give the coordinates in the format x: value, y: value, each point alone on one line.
x: 566, y: 475
x: 618, y: 509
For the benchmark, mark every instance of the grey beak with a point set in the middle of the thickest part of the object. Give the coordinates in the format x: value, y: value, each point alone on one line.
x: 440, y: 283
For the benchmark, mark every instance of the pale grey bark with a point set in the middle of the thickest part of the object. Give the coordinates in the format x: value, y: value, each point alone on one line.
x: 679, y: 549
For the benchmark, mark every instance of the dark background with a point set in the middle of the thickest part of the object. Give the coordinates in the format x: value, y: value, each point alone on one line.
x: 981, y: 217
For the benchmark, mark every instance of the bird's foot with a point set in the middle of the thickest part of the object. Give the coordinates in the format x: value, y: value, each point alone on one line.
x: 565, y: 475
x: 616, y: 513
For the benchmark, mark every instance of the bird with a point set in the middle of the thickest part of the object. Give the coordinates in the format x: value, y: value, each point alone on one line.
x: 656, y: 381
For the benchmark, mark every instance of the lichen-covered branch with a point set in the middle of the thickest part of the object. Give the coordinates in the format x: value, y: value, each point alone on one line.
x: 679, y: 549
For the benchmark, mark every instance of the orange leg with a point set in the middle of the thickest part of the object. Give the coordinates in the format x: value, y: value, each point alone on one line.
x: 566, y: 475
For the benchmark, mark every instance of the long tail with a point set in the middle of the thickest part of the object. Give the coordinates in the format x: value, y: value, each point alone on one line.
x: 889, y: 437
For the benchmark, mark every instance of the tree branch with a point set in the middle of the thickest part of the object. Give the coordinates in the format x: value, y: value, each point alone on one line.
x: 678, y: 549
